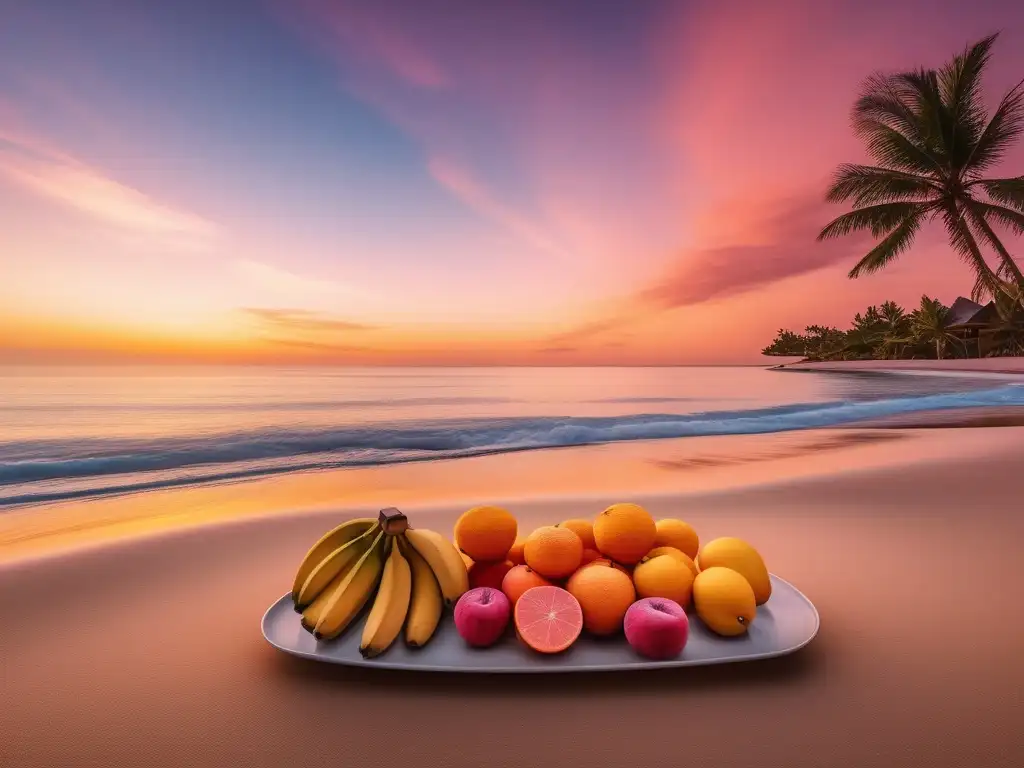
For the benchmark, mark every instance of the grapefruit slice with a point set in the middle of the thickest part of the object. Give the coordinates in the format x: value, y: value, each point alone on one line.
x: 548, y: 619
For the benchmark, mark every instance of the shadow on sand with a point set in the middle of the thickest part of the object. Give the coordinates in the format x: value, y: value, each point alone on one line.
x: 794, y: 669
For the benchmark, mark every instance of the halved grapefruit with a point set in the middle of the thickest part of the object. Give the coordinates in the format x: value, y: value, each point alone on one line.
x: 548, y: 619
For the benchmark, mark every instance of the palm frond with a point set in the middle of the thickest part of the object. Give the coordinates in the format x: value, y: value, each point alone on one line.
x: 881, y: 102
x: 889, y: 249
x: 921, y: 89
x: 1006, y: 125
x: 867, y: 184
x: 879, y: 219
x: 966, y: 247
x: 960, y: 88
x: 891, y: 149
x: 1009, y: 218
x: 978, y: 213
x: 980, y: 289
x: 1008, y: 192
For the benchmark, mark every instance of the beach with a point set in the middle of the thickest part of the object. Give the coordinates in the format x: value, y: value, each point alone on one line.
x: 142, y: 647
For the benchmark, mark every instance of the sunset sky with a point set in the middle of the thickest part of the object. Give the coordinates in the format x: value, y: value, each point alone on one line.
x: 425, y: 182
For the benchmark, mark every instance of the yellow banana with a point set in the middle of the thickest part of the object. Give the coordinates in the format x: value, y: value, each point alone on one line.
x: 336, y: 563
x: 311, y: 615
x: 327, y: 544
x: 351, y: 595
x: 425, y: 604
x: 444, y: 560
x: 390, y: 607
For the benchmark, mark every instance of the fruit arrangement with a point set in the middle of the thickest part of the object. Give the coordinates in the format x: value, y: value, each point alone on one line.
x: 622, y: 573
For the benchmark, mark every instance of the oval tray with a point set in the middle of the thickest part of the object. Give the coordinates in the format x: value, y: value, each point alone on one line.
x: 786, y: 623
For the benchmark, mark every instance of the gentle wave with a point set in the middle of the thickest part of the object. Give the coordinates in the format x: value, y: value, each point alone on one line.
x: 46, y: 469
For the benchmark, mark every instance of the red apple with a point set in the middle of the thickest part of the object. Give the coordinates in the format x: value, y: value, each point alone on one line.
x: 481, y: 616
x: 656, y: 627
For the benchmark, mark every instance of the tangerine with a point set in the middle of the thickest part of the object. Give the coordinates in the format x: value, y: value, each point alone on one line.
x: 589, y: 556
x: 583, y: 529
x: 520, y: 579
x: 676, y: 533
x: 486, y: 533
x: 673, y: 552
x: 548, y: 619
x: 605, y: 562
x: 625, y: 533
x: 664, y: 576
x: 553, y: 552
x: 488, y: 574
x: 604, y: 595
x: 515, y: 554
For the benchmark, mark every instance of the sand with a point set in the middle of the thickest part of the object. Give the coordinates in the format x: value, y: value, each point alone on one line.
x: 147, y: 651
x: 984, y: 365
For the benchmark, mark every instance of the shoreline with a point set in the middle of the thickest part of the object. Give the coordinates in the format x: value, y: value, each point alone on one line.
x: 996, y: 366
x: 686, y: 466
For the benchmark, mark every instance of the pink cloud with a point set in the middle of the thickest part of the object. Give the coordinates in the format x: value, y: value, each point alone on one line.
x: 38, y: 166
x: 344, y: 30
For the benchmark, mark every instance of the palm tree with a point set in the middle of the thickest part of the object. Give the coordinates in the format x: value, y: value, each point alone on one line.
x: 896, y: 331
x: 928, y: 325
x: 932, y: 142
x: 1008, y: 325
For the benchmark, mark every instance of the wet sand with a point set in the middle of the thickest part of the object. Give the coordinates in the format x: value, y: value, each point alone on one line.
x: 971, y: 366
x: 148, y: 651
x: 615, y: 470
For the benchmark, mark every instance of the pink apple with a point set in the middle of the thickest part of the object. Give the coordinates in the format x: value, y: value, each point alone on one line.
x: 481, y: 616
x: 657, y: 627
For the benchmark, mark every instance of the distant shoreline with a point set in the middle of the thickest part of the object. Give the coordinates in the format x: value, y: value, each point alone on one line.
x: 985, y: 365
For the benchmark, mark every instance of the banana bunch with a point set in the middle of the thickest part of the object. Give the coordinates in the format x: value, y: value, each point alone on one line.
x: 411, y: 575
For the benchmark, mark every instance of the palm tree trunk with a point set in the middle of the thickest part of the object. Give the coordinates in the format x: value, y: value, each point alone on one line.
x: 938, y: 349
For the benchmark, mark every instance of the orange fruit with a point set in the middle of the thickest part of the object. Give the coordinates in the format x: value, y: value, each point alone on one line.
x: 488, y: 574
x: 676, y: 533
x: 553, y: 552
x: 520, y: 579
x: 664, y: 576
x: 604, y: 595
x: 515, y: 554
x: 583, y: 529
x: 486, y: 533
x: 624, y: 533
x: 604, y: 561
x: 673, y: 552
x: 589, y: 556
x: 548, y: 619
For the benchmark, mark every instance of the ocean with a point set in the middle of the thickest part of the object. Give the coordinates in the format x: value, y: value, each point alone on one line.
x: 67, y: 433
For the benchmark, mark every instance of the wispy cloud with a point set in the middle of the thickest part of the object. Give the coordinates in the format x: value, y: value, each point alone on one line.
x: 318, y: 346
x: 282, y: 281
x: 54, y: 175
x: 461, y: 183
x: 612, y: 319
x: 343, y: 28
x: 303, y: 320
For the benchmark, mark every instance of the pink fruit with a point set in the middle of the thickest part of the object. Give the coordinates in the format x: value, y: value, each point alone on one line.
x: 488, y: 574
x: 656, y: 627
x: 481, y: 616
